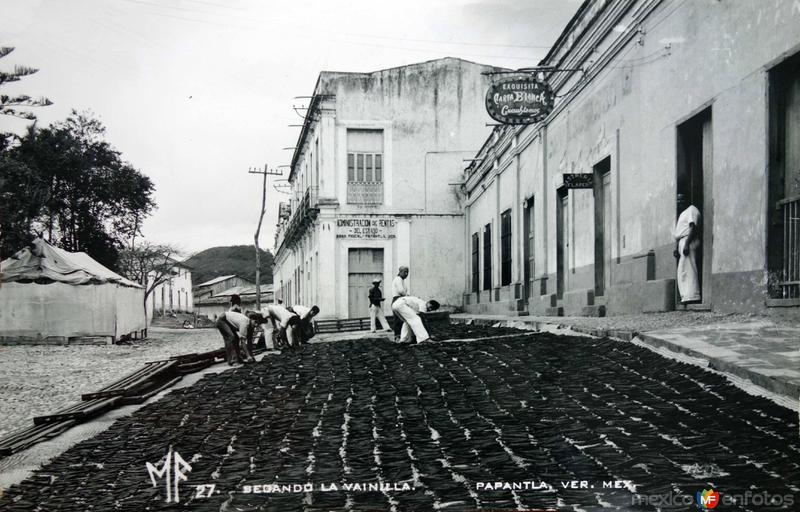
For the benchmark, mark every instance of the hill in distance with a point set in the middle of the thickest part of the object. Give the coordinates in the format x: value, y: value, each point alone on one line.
x: 235, y: 259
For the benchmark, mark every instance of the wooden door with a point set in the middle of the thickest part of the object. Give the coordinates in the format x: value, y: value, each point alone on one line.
x: 364, y: 265
x: 527, y: 256
x: 562, y: 245
x: 607, y: 229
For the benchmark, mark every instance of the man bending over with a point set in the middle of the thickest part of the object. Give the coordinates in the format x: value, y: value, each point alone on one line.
x: 306, y: 320
x: 237, y: 332
x: 408, y: 309
x: 285, y: 325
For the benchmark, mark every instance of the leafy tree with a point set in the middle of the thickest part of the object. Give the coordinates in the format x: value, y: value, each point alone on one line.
x: 16, y: 178
x: 18, y: 105
x: 149, y: 265
x: 86, y: 198
x: 10, y: 105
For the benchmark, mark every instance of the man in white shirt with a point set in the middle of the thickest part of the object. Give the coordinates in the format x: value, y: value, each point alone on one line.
x: 235, y: 329
x: 399, y: 289
x: 407, y: 309
x: 687, y: 234
x: 285, y: 324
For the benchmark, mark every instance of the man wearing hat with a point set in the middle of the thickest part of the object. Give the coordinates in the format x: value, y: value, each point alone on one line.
x: 375, y: 306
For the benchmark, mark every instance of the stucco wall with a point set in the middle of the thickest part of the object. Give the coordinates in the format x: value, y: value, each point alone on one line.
x: 432, y: 118
x: 698, y: 55
x: 436, y: 261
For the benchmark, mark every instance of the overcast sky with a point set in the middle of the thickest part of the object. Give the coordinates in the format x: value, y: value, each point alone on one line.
x: 194, y: 92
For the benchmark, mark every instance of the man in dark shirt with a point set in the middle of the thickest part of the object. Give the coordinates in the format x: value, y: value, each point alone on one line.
x: 375, y: 307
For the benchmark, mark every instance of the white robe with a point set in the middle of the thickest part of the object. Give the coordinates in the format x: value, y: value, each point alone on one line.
x: 688, y: 277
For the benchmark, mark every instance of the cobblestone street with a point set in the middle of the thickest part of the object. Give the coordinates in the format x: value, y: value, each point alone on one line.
x: 453, y: 420
x: 40, y: 379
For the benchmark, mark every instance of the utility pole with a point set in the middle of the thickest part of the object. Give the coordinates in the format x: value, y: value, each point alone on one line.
x: 264, y: 173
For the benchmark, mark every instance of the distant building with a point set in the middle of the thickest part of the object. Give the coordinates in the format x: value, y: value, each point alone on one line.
x: 175, y: 294
x: 212, y: 306
x: 376, y: 184
x: 655, y: 99
x: 214, y: 286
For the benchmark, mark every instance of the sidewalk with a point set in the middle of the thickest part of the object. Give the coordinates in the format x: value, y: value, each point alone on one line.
x: 757, y: 349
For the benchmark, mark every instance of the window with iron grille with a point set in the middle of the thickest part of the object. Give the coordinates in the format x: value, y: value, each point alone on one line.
x: 505, y: 248
x: 487, y: 257
x: 364, y: 166
x: 475, y: 256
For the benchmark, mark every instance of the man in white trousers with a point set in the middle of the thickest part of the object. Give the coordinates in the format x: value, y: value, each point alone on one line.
x: 408, y: 309
x: 687, y: 234
x: 376, y: 308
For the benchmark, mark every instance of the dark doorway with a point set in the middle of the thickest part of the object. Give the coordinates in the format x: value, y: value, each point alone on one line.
x: 562, y: 237
x: 475, y: 263
x: 694, y: 172
x: 505, y: 248
x: 487, y: 257
x: 527, y: 248
x: 602, y: 225
x: 783, y: 235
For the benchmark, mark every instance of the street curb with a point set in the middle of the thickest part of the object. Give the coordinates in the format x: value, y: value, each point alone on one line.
x: 772, y: 384
x: 715, y: 363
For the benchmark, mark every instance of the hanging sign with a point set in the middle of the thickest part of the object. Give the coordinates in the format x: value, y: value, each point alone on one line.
x: 365, y: 227
x: 582, y: 180
x: 519, y: 100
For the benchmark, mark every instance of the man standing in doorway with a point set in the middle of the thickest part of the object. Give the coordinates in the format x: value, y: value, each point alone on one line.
x: 687, y: 234
x: 376, y: 308
x: 399, y: 289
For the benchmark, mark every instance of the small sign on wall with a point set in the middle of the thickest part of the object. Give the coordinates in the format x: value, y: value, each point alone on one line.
x: 366, y: 228
x: 582, y: 180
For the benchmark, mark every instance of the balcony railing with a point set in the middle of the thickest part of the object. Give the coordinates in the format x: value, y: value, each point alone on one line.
x: 789, y: 279
x: 365, y: 192
x: 301, y: 218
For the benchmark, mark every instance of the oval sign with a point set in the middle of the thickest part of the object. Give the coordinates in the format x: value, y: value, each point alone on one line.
x: 519, y: 100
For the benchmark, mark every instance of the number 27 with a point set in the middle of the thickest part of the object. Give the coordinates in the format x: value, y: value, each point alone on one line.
x: 205, y: 490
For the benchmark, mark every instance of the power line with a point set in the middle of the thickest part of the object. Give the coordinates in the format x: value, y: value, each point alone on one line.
x: 352, y: 34
x: 361, y: 44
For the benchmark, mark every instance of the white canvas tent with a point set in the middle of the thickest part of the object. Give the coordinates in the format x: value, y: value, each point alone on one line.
x: 51, y: 295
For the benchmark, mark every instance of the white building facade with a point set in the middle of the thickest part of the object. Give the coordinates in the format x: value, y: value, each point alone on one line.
x: 376, y: 184
x: 654, y: 99
x: 174, y: 295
